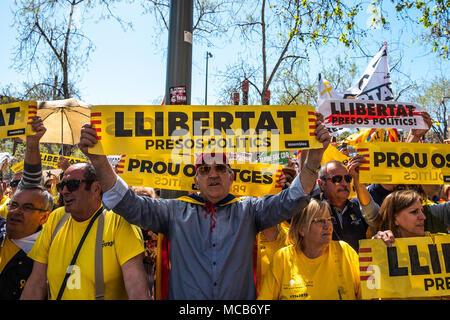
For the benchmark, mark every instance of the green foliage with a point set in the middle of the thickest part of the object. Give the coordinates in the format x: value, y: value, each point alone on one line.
x: 433, y: 16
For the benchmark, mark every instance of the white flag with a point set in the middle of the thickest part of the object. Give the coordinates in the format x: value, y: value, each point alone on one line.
x: 375, y: 83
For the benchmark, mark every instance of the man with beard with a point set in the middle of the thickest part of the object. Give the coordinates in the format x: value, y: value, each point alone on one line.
x: 349, y: 224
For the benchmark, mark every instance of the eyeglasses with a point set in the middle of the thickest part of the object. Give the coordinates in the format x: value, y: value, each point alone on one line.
x: 14, y: 183
x: 338, y: 178
x: 27, y: 207
x: 323, y: 221
x: 219, y: 168
x: 72, y: 184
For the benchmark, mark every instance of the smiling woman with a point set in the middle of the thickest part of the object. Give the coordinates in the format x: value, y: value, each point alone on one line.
x: 313, y: 266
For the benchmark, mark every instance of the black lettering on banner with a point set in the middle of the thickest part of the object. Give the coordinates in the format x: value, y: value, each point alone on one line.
x: 139, y: 126
x: 12, y: 116
x: 394, y: 270
x: 119, y: 126
x: 446, y: 255
x: 177, y: 121
x: 160, y: 167
x: 245, y: 175
x: 424, y: 162
x: 416, y: 268
x: 266, y: 123
x: 200, y: 124
x: 159, y: 124
x: 133, y: 164
x: 438, y: 163
x: 287, y: 116
x: 146, y: 166
x: 223, y: 121
x: 245, y: 117
x: 434, y: 258
x: 406, y: 163
x: 267, y: 178
x: 392, y: 159
x: 189, y: 170
x: 379, y: 157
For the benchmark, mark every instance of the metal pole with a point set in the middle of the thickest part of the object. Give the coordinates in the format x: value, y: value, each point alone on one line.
x: 208, y: 55
x: 179, y: 63
x: 179, y: 58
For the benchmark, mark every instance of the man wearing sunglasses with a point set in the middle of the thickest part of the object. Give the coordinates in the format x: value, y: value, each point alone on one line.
x: 350, y: 224
x: 28, y: 210
x: 117, y: 244
x: 211, y: 234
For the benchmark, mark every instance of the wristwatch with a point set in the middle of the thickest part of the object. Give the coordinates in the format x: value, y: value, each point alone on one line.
x: 307, y: 166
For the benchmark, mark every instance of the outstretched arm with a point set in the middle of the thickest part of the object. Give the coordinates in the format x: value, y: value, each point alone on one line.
x: 308, y: 174
x: 368, y: 207
x: 32, y: 169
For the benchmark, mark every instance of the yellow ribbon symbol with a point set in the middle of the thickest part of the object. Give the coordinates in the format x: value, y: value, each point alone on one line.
x: 22, y: 283
x: 327, y: 87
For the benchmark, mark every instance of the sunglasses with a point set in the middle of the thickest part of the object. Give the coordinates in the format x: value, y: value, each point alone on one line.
x: 72, y: 184
x: 338, y: 178
x: 14, y: 183
x: 219, y: 168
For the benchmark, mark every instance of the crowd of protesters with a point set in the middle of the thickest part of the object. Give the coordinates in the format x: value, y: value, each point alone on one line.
x: 86, y: 234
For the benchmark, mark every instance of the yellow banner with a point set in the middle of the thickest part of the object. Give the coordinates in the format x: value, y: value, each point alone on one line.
x: 17, y: 167
x: 251, y: 179
x: 15, y: 118
x: 405, y: 163
x: 50, y: 160
x: 411, y: 268
x: 194, y: 129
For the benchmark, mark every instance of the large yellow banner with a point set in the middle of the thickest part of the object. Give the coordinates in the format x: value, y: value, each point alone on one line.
x: 187, y: 130
x: 251, y: 179
x: 405, y: 163
x: 15, y: 118
x: 412, y: 267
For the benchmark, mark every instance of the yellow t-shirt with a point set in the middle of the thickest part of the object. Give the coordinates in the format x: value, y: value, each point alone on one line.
x: 3, y: 206
x: 266, y: 251
x: 121, y: 242
x: 8, y: 250
x: 332, y: 276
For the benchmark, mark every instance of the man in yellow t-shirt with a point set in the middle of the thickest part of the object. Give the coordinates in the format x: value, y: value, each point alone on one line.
x: 121, y: 242
x: 122, y: 248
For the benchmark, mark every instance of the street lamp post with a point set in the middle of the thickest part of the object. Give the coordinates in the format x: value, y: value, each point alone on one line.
x: 208, y: 55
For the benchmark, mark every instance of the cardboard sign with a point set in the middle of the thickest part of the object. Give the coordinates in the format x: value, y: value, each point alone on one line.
x: 412, y: 267
x: 15, y: 118
x: 173, y: 130
x: 350, y: 113
x: 251, y: 179
x: 405, y: 163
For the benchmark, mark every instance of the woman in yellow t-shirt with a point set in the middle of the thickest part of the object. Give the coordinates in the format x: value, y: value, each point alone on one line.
x: 313, y: 266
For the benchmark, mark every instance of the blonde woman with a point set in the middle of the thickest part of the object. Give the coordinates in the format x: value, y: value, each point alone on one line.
x: 313, y: 266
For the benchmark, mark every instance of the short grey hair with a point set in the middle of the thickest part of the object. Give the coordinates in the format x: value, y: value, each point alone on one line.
x: 324, y: 167
x: 46, y: 196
